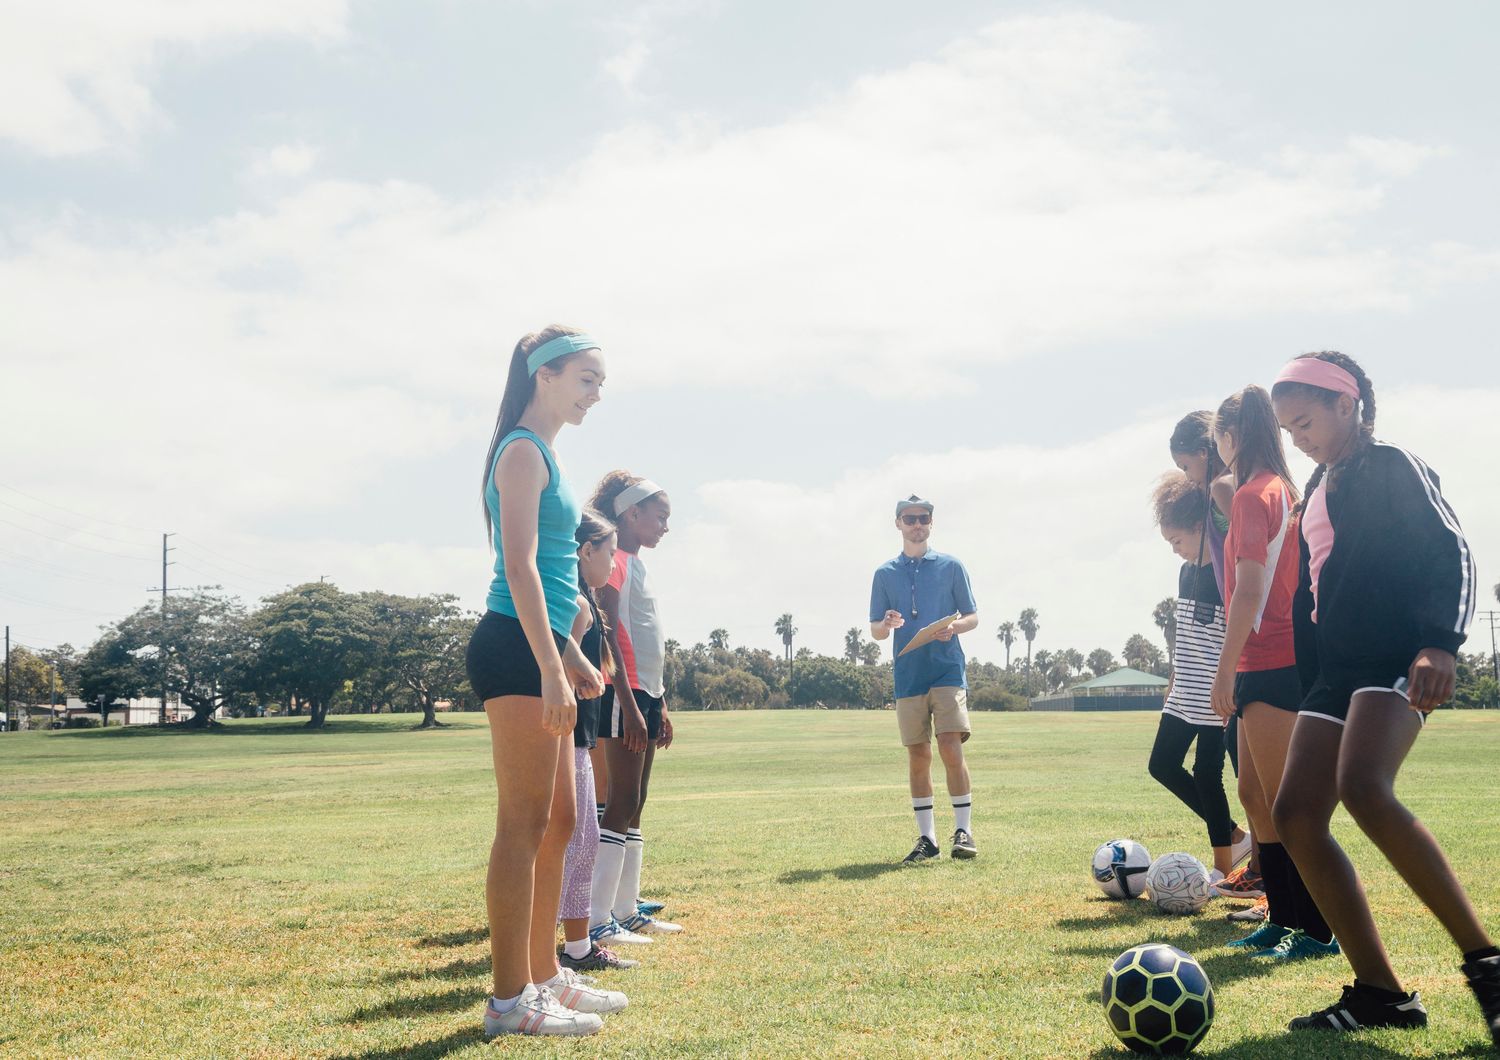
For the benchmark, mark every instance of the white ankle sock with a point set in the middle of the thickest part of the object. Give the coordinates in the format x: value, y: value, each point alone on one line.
x: 925, y: 824
x: 506, y: 1004
x: 962, y: 811
x: 578, y: 949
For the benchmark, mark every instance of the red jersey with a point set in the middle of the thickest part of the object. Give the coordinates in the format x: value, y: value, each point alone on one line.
x: 1263, y: 529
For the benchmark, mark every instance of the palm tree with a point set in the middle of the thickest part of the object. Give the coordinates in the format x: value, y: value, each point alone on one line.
x: 1007, y: 635
x: 1101, y: 662
x: 1139, y: 651
x: 788, y: 631
x: 1165, y: 617
x: 719, y: 639
x: 1028, y: 625
x: 852, y: 644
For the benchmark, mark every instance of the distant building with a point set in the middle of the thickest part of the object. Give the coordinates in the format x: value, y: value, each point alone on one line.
x: 1123, y: 689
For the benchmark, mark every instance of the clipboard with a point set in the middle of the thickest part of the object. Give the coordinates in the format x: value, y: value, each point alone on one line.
x: 927, y: 634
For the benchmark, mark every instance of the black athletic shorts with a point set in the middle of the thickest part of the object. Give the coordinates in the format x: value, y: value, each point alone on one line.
x: 499, y: 659
x: 1280, y: 688
x: 1331, y: 693
x: 612, y: 723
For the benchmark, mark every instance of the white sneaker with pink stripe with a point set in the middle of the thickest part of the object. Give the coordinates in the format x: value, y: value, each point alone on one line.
x: 538, y: 1012
x: 582, y: 993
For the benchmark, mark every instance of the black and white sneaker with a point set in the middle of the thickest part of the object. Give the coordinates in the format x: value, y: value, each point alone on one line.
x: 1360, y: 1008
x: 925, y: 850
x: 963, y: 844
x: 1484, y: 980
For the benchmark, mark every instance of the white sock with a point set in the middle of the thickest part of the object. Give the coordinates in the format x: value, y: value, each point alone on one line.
x: 630, y: 876
x: 925, y: 824
x: 505, y: 1004
x: 607, y: 865
x: 963, y: 807
x: 578, y: 949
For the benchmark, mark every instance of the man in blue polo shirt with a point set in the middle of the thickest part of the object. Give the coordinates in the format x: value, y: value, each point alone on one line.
x: 914, y: 590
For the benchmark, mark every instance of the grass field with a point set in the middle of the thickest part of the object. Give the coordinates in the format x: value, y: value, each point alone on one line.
x: 265, y: 891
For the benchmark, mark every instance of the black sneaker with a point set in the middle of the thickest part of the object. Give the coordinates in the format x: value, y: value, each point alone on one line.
x: 963, y: 844
x: 925, y: 850
x: 1484, y: 980
x: 1359, y: 1008
x: 598, y: 959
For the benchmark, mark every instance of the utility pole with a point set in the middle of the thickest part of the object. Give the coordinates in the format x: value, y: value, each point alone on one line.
x: 7, y: 677
x: 161, y: 649
x: 1492, y: 617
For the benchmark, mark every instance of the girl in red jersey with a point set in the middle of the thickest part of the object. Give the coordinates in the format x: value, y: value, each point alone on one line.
x: 1257, y: 676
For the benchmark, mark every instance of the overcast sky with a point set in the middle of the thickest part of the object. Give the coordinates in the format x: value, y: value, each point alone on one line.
x: 262, y: 265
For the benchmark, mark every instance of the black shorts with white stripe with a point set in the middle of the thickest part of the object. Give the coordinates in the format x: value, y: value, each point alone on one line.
x: 1332, y: 692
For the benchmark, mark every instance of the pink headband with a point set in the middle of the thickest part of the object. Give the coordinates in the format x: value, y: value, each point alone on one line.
x: 1314, y: 371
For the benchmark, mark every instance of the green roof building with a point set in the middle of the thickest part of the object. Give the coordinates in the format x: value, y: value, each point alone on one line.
x: 1123, y: 689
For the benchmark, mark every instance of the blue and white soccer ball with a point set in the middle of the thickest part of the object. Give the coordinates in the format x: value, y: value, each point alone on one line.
x: 1120, y: 868
x: 1178, y: 884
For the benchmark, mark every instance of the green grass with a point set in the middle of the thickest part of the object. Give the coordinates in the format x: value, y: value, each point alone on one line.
x: 266, y: 891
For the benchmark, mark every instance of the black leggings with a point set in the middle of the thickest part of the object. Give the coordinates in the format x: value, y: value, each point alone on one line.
x: 1202, y: 790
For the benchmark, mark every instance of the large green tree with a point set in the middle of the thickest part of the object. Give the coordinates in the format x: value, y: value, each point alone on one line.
x: 310, y: 641
x: 110, y: 670
x: 201, y: 655
x: 427, y: 639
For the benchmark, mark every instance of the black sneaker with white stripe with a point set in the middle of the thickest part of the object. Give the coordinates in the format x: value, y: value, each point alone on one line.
x: 1362, y: 1007
x: 963, y: 844
x: 1484, y: 980
x: 925, y: 850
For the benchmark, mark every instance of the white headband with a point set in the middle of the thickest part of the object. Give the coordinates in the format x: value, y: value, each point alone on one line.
x: 635, y: 494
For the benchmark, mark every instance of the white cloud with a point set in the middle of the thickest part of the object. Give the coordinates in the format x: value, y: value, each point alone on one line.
x: 284, y: 162
x: 74, y: 74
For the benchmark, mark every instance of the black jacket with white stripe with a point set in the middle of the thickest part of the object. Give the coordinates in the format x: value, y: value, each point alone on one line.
x: 1400, y: 577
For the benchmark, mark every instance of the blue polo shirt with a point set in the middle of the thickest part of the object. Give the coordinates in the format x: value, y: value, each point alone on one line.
x: 923, y: 590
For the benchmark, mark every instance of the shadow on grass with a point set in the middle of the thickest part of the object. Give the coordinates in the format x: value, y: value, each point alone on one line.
x: 867, y: 871
x: 1116, y: 910
x: 419, y: 1005
x: 343, y: 723
x: 1312, y: 1045
x: 450, y: 1043
x: 455, y: 970
x: 457, y: 938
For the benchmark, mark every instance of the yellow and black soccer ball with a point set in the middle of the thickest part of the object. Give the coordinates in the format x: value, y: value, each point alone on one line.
x: 1158, y: 1000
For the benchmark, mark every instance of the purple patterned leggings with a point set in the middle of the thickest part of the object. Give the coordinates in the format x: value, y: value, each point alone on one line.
x: 578, y: 867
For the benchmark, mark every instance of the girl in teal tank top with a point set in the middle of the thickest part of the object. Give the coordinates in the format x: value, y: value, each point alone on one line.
x: 526, y: 670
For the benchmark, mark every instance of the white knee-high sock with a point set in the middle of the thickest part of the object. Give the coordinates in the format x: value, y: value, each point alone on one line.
x: 963, y: 808
x: 630, y: 875
x: 607, y: 868
x: 925, y: 824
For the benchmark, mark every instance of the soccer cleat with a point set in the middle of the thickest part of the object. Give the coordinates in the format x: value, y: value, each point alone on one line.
x: 612, y: 932
x: 538, y: 1012
x: 598, y: 959
x: 645, y: 925
x: 1238, y: 852
x: 1298, y: 945
x: 1265, y: 937
x: 963, y: 845
x: 1359, y: 1008
x: 925, y: 850
x: 1241, y: 883
x: 1251, y: 914
x: 1484, y: 980
x: 582, y: 994
x: 647, y: 908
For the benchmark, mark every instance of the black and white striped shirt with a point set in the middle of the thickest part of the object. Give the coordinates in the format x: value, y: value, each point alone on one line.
x: 1199, y: 640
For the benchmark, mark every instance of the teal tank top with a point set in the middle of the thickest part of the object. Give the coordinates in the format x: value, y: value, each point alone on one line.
x: 556, y: 550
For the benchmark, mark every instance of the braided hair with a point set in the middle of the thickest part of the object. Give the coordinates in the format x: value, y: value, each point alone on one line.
x: 1328, y: 397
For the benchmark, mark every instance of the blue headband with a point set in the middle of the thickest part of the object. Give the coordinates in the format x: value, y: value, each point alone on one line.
x: 558, y: 347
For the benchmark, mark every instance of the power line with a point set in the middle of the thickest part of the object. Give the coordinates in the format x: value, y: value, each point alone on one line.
x: 244, y: 579
x: 280, y: 576
x: 51, y: 571
x: 81, y: 515
x: 55, y: 607
x: 66, y: 526
x: 74, y: 544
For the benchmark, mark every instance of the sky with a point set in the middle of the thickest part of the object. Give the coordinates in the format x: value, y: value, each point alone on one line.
x: 262, y: 265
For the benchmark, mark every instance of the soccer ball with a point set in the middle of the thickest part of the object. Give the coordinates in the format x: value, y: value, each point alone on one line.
x: 1158, y: 1000
x: 1120, y: 868
x: 1178, y: 884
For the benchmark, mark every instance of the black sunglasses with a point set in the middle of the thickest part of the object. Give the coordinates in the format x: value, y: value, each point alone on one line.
x: 916, y: 520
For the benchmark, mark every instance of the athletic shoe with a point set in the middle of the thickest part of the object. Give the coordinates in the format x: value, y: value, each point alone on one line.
x: 645, y: 908
x: 963, y: 845
x: 1484, y: 980
x: 538, y: 1012
x: 598, y: 959
x: 645, y: 925
x: 613, y: 932
x: 925, y: 850
x: 583, y: 994
x: 1358, y: 1008
x: 1251, y: 914
x: 1238, y: 852
x: 1299, y: 946
x: 1241, y: 883
x: 1214, y: 877
x: 1265, y: 937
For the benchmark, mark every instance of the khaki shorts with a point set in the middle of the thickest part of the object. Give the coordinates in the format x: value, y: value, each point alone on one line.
x: 940, y: 710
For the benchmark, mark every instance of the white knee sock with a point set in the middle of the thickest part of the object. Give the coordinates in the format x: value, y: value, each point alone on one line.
x: 925, y: 824
x: 962, y: 810
x: 630, y: 876
x: 607, y: 868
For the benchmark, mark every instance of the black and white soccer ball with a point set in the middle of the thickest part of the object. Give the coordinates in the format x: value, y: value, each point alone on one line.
x: 1120, y: 868
x: 1158, y: 1000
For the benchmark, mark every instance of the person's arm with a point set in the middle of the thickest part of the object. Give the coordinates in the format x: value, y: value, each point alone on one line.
x: 587, y: 682
x: 634, y: 722
x: 665, y: 739
x: 1249, y: 585
x: 883, y: 617
x: 521, y: 475
x: 963, y: 625
x: 1221, y: 492
x: 963, y: 602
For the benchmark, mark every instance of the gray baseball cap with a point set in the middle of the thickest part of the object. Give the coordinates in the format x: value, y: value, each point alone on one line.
x: 913, y: 502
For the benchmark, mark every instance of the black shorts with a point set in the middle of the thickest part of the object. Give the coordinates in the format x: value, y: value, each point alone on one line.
x: 499, y: 659
x: 1281, y: 688
x: 612, y: 724
x: 1331, y: 693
